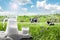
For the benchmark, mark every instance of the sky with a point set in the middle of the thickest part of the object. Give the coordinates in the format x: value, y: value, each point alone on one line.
x: 29, y: 7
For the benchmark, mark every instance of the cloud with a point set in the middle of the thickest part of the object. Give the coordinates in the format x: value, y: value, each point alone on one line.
x: 24, y: 9
x: 53, y: 7
x: 1, y: 9
x: 14, y: 5
x: 28, y: 14
x: 3, y: 13
x: 32, y: 6
x: 44, y: 5
x: 8, y: 13
x: 22, y: 2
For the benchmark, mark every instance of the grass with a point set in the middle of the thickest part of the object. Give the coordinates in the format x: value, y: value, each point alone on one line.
x: 44, y: 32
x: 39, y: 31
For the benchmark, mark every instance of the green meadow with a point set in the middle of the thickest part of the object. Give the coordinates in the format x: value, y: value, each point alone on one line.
x: 40, y: 30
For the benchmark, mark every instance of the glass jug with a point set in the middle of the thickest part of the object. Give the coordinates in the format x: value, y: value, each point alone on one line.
x: 12, y: 27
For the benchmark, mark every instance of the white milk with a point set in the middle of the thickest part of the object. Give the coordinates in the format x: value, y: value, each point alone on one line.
x: 12, y: 26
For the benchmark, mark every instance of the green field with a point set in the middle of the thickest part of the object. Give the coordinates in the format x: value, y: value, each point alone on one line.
x: 40, y: 30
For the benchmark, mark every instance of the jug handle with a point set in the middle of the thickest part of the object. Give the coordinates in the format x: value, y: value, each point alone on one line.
x: 4, y: 21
